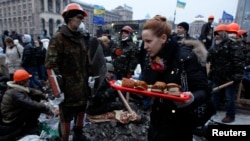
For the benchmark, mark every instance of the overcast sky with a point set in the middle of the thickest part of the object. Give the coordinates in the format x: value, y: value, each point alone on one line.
x: 167, y: 7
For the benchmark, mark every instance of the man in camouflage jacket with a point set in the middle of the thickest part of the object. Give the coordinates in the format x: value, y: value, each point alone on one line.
x: 227, y: 64
x: 67, y: 56
x: 125, y: 55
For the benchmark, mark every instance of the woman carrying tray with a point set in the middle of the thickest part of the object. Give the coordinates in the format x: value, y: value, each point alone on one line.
x: 170, y: 62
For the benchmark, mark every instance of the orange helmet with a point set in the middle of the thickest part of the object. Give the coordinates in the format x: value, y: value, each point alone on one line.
x: 233, y: 27
x: 74, y: 6
x: 241, y: 32
x: 221, y: 27
x: 211, y: 17
x: 21, y: 75
x: 128, y: 29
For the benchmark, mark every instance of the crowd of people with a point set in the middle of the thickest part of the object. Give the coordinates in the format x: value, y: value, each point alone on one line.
x: 83, y: 67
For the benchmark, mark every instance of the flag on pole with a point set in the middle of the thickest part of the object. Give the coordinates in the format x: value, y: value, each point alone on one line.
x: 98, y: 20
x: 99, y: 10
x: 227, y: 16
x: 180, y: 4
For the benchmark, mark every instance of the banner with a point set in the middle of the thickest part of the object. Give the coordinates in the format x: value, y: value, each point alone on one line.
x: 99, y: 10
x: 180, y: 4
x: 226, y: 16
x: 98, y: 20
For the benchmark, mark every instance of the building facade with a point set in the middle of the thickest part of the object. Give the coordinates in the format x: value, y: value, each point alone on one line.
x: 195, y: 28
x: 42, y: 17
x: 125, y: 12
x: 243, y: 15
x: 31, y: 16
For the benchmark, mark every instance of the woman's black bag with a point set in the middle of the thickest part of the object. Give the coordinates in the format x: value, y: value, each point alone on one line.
x: 203, y: 113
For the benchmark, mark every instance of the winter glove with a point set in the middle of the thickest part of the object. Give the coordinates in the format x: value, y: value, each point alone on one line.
x: 185, y: 103
x: 91, y: 82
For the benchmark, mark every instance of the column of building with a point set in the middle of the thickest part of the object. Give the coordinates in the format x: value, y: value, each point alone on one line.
x: 46, y: 22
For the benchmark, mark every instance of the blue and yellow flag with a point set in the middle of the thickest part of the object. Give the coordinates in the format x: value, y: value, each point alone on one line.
x: 99, y: 10
x: 180, y: 4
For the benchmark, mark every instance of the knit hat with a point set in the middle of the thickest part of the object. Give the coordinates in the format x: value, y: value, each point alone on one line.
x: 184, y: 25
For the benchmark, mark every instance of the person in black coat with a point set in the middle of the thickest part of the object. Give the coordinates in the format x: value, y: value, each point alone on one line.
x: 5, y: 34
x: 40, y: 54
x: 172, y: 120
x: 21, y: 106
x: 207, y: 32
x: 29, y: 62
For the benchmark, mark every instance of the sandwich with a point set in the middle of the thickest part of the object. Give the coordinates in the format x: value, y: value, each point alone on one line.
x: 126, y: 82
x: 159, y: 86
x: 141, y: 85
x: 173, y: 89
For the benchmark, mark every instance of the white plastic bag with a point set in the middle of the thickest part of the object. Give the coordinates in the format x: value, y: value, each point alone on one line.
x: 30, y: 138
x: 137, y: 72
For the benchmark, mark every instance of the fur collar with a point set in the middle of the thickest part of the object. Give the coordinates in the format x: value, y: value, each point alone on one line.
x: 198, y: 48
x: 16, y: 86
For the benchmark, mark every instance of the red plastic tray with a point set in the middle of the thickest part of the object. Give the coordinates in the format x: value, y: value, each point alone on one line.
x: 181, y: 98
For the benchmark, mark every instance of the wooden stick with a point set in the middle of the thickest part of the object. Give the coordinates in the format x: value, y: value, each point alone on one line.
x: 239, y: 91
x: 125, y: 101
x: 223, y: 86
x: 127, y: 96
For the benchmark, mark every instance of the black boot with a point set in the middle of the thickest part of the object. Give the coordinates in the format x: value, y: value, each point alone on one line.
x: 78, y: 135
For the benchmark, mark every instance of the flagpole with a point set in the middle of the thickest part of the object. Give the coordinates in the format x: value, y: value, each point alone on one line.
x: 174, y: 19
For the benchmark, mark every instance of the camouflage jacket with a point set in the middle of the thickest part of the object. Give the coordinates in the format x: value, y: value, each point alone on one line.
x: 227, y: 61
x: 126, y: 62
x: 247, y: 57
x: 67, y: 55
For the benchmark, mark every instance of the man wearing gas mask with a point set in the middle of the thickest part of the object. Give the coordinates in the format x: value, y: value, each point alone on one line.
x: 85, y: 33
x: 67, y: 59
